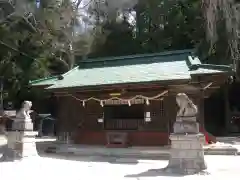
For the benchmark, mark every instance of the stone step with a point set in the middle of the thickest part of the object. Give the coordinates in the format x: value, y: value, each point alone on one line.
x: 129, y: 153
x: 221, y: 151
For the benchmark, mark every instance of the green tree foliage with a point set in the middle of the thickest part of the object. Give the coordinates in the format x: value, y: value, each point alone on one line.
x: 159, y: 25
x: 38, y: 40
x: 153, y: 26
x: 166, y: 25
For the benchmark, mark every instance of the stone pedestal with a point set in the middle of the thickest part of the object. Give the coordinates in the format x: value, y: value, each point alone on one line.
x: 186, y: 125
x: 21, y: 125
x: 21, y: 142
x: 187, y: 154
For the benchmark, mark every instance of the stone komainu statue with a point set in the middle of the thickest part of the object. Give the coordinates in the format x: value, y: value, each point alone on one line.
x: 186, y: 120
x: 186, y: 106
x: 24, y: 112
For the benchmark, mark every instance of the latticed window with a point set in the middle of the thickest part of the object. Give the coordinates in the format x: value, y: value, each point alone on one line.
x: 159, y: 120
x: 124, y: 117
x: 157, y: 109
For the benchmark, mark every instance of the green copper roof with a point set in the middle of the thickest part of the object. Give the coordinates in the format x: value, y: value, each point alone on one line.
x: 166, y: 66
x: 48, y: 81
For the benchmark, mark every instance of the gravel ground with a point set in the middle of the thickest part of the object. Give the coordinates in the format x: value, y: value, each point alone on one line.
x: 94, y: 167
x: 52, y: 166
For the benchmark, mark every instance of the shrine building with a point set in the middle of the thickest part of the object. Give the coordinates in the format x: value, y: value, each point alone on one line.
x: 130, y: 100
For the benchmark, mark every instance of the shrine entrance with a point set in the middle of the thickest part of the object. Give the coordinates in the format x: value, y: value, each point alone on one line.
x: 123, y: 117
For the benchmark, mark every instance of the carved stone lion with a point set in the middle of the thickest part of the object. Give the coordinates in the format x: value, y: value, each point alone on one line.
x: 186, y: 106
x: 24, y: 112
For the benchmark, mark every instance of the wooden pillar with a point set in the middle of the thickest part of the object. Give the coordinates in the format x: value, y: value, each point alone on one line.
x: 201, y: 114
x: 171, y: 111
x: 40, y: 128
x: 227, y: 109
x: 59, y: 114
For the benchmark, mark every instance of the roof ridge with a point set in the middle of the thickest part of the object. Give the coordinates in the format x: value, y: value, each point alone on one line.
x: 43, y: 79
x: 114, y: 58
x: 66, y: 73
x: 59, y: 77
x: 216, y: 66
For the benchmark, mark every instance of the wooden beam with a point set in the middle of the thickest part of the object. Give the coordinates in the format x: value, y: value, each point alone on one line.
x: 207, y: 86
x: 214, y: 87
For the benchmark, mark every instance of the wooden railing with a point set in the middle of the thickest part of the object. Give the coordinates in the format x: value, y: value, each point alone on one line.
x: 122, y: 124
x: 117, y: 138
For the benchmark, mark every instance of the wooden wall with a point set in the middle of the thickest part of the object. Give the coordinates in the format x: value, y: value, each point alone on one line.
x: 82, y: 121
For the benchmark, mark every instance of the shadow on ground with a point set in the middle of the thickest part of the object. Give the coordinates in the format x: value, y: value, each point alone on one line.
x: 106, y: 159
x: 43, y: 145
x: 163, y: 172
x: 2, y: 150
x: 154, y: 173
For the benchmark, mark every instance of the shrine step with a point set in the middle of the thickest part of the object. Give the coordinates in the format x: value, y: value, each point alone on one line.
x: 133, y: 152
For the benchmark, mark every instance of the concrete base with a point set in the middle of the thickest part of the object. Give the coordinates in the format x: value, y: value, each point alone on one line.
x: 186, y: 154
x: 20, y: 145
x: 221, y: 149
x: 21, y: 125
